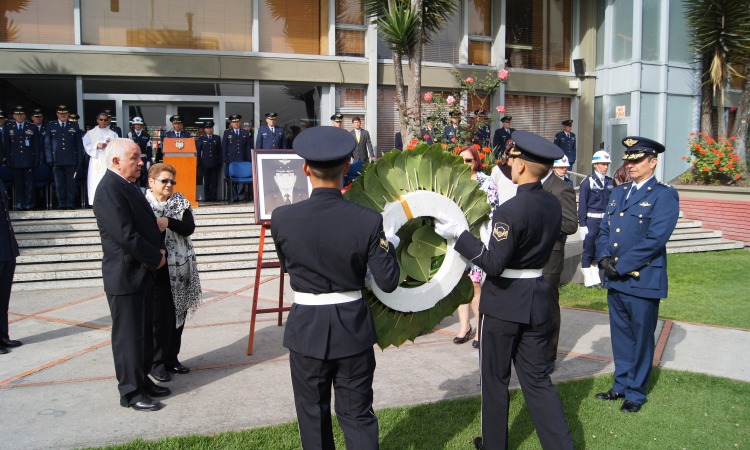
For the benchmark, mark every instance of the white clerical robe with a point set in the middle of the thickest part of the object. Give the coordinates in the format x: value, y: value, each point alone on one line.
x: 97, y: 163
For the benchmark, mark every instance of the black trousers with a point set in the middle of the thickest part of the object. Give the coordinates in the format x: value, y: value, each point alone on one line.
x: 7, y: 269
x: 211, y: 182
x: 66, y: 185
x: 167, y: 338
x: 132, y: 342
x: 352, y: 383
x: 525, y: 345
x: 23, y: 180
x: 553, y: 280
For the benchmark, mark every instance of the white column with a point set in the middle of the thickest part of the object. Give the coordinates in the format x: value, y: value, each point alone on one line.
x: 371, y: 93
x: 256, y: 30
x: 463, y: 51
x: 77, y: 21
x: 79, y: 100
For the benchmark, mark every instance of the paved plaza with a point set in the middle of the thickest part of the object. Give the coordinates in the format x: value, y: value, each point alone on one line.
x: 58, y: 390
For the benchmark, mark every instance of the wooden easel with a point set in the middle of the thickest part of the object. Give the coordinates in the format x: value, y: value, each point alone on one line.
x: 260, y: 265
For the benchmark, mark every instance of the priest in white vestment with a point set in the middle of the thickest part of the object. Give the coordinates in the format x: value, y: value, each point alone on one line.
x: 94, y: 142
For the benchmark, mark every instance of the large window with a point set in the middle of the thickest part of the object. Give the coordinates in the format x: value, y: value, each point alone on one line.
x: 298, y: 105
x: 480, y: 32
x: 37, y: 22
x: 622, y: 31
x: 601, y: 12
x: 350, y: 28
x: 538, y: 34
x: 678, y: 118
x: 293, y: 26
x: 650, y: 47
x: 679, y: 39
x: 443, y: 48
x: 540, y: 115
x: 190, y: 24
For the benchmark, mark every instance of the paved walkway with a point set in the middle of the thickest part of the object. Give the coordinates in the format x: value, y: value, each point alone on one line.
x: 58, y: 390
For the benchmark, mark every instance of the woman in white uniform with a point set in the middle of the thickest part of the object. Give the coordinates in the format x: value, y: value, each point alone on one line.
x: 94, y: 142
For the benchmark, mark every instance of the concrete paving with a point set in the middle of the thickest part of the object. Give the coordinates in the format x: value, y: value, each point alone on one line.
x: 58, y: 390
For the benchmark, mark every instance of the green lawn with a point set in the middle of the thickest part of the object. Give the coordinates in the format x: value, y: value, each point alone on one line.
x: 684, y: 410
x: 711, y: 288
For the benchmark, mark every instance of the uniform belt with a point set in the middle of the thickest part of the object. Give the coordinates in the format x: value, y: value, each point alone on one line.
x: 521, y: 273
x: 595, y: 215
x: 333, y: 298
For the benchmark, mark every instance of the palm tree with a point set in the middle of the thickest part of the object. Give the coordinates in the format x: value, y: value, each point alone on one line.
x: 406, y: 26
x: 721, y: 32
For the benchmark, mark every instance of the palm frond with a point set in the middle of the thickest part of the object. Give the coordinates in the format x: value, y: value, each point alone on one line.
x: 435, y: 14
x: 399, y: 29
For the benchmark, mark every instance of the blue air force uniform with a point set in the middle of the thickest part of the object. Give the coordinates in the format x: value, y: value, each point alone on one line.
x: 632, y: 249
x: 429, y: 132
x: 452, y: 132
x: 236, y: 145
x: 330, y: 335
x: 143, y: 140
x: 501, y: 137
x: 64, y: 148
x: 23, y: 145
x: 567, y: 142
x: 209, y: 158
x: 178, y: 134
x: 268, y: 138
x: 593, y: 198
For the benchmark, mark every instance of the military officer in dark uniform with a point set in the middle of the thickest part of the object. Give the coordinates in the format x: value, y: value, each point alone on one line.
x: 337, y: 120
x: 286, y: 191
x: 37, y: 118
x: 330, y: 331
x: 74, y: 118
x: 514, y: 307
x: 566, y: 140
x: 428, y: 132
x: 177, y: 130
x: 8, y: 254
x: 452, y: 132
x: 501, y: 137
x: 2, y: 121
x: 236, y: 146
x: 209, y: 160
x: 22, y: 145
x: 271, y: 136
x: 639, y: 220
x: 115, y: 128
x: 482, y: 134
x: 143, y: 141
x: 64, y: 150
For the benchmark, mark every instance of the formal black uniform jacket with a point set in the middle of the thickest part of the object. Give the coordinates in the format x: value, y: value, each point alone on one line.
x: 524, y: 231
x: 274, y: 199
x: 23, y: 148
x: 398, y: 143
x: 567, y: 196
x: 482, y: 136
x: 118, y: 130
x: 236, y: 145
x: 567, y: 144
x: 64, y: 145
x: 172, y: 134
x: 130, y: 236
x: 325, y: 244
x: 142, y: 141
x: 209, y: 151
x: 500, y: 139
x: 452, y: 132
x: 267, y: 139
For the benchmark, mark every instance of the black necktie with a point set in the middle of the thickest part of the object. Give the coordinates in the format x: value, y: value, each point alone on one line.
x: 632, y: 192
x: 137, y: 189
x: 287, y: 201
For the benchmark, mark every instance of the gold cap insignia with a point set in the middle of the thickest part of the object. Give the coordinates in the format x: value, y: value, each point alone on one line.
x: 285, y: 161
x: 500, y: 231
x: 179, y: 144
x: 645, y: 204
x: 630, y: 142
x: 384, y: 244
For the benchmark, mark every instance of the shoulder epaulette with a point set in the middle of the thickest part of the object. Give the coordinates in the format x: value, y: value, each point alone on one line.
x: 665, y: 184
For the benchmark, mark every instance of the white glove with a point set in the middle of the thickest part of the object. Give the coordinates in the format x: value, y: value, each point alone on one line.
x: 390, y: 234
x: 368, y: 278
x: 447, y: 228
x: 584, y: 231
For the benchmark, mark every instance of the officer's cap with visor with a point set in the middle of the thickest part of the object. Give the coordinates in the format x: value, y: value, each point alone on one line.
x: 337, y: 117
x: 74, y: 117
x: 235, y: 118
x: 283, y: 166
x: 480, y: 113
x: 534, y: 148
x: 271, y: 115
x: 208, y: 124
x: 107, y: 113
x: 2, y: 114
x: 62, y: 109
x: 455, y: 114
x: 175, y: 119
x: 37, y: 112
x: 137, y: 121
x: 568, y: 123
x: 561, y: 162
x: 637, y: 147
x: 18, y: 110
x: 506, y: 119
x: 324, y: 147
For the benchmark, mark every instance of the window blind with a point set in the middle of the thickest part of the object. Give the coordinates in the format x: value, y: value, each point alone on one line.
x: 38, y: 22
x: 538, y: 34
x: 350, y: 12
x: 480, y: 17
x: 538, y: 114
x: 350, y: 98
x: 291, y: 26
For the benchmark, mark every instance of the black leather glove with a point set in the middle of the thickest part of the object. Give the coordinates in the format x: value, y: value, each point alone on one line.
x: 609, y: 266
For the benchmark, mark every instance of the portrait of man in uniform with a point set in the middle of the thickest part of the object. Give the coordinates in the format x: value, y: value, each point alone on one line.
x: 281, y: 181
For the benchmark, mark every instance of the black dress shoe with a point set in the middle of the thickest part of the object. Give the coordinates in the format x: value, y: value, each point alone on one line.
x: 478, y: 444
x: 157, y: 391
x: 475, y: 344
x: 629, y: 406
x: 179, y: 368
x: 161, y: 376
x: 4, y: 350
x: 609, y: 395
x: 5, y: 342
x: 146, y: 404
x: 466, y: 338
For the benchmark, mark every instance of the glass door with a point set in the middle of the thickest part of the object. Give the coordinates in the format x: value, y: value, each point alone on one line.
x: 617, y: 130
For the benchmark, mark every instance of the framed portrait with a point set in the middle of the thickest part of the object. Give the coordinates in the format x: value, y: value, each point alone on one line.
x: 278, y: 179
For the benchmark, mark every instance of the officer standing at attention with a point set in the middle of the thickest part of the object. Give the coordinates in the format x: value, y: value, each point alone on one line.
x: 271, y: 136
x: 592, y: 202
x: 64, y: 149
x: 37, y: 118
x: 116, y: 129
x: 337, y: 120
x: 209, y: 159
x: 640, y: 218
x: 566, y: 140
x: 177, y: 128
x: 453, y: 132
x: 483, y: 131
x: 74, y: 118
x: 330, y: 330
x: 143, y: 141
x: 236, y: 145
x: 2, y: 121
x: 428, y: 133
x: 515, y: 298
x: 22, y: 145
x: 501, y: 137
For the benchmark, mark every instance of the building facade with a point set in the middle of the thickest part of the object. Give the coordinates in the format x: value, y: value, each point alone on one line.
x: 309, y: 59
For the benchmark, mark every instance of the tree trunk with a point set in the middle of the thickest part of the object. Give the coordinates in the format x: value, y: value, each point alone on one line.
x: 740, y: 129
x: 720, y: 111
x: 411, y: 123
x: 707, y: 98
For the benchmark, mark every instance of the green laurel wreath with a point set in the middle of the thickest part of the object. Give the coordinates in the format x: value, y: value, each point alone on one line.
x: 421, y: 251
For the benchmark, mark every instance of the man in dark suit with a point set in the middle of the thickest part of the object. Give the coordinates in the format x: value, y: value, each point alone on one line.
x: 64, y: 149
x: 566, y: 140
x: 631, y: 245
x: 452, y: 133
x: 271, y: 136
x: 363, y: 151
x: 236, y: 146
x: 8, y: 254
x: 285, y: 193
x: 398, y: 143
x: 115, y: 128
x: 23, y: 146
x: 330, y: 332
x: 567, y: 196
x: 515, y: 297
x: 209, y: 159
x: 133, y: 250
x: 178, y: 128
x: 428, y: 132
x: 501, y: 137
